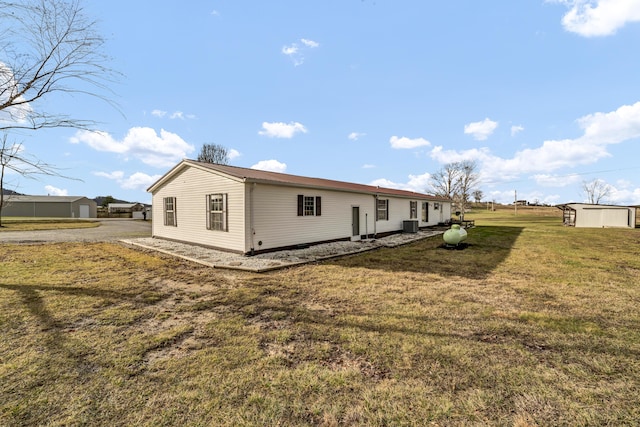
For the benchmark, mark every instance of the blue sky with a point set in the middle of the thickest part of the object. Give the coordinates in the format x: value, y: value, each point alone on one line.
x: 542, y: 94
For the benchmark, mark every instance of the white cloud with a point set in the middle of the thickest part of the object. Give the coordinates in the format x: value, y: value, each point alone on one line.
x: 295, y: 52
x: 115, y: 175
x: 270, y: 165
x: 54, y: 191
x: 625, y: 196
x: 547, y: 180
x: 136, y: 181
x: 281, y: 130
x: 20, y: 113
x: 592, y: 18
x: 404, y: 142
x: 599, y: 131
x: 309, y: 43
x: 481, y: 130
x: 139, y: 181
x: 141, y: 143
x: 215, y: 13
x: 173, y: 116
x: 182, y: 116
x: 385, y: 183
x: 354, y: 136
x: 449, y: 156
x: 233, y: 154
x: 416, y: 183
x: 516, y: 130
x: 368, y: 166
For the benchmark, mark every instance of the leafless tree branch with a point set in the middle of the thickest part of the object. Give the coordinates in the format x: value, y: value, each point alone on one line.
x: 48, y: 47
x: 596, y: 191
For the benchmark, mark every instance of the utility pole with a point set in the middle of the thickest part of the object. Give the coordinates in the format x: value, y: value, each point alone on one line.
x: 515, y: 200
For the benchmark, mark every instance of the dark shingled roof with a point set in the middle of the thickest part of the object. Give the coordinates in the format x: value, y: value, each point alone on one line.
x: 255, y: 175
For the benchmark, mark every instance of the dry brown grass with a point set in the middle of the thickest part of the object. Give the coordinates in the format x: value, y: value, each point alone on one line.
x: 533, y: 324
x: 31, y: 224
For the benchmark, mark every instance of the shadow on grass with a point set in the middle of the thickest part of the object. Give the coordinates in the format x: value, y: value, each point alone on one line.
x: 55, y: 332
x: 486, y: 247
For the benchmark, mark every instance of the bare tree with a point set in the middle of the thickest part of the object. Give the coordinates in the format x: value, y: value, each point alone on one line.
x: 214, y: 153
x: 445, y: 181
x: 13, y: 158
x: 478, y: 195
x: 596, y: 191
x: 456, y: 181
x: 468, y: 180
x: 48, y: 47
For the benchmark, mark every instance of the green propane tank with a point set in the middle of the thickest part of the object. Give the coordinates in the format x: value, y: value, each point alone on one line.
x: 455, y: 235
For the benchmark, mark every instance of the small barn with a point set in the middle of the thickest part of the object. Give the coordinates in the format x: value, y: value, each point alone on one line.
x: 250, y: 211
x: 49, y: 206
x: 598, y: 216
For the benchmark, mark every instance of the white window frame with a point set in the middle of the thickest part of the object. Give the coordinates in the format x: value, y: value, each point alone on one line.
x: 217, y: 212
x: 382, y: 209
x: 309, y: 206
x: 169, y: 208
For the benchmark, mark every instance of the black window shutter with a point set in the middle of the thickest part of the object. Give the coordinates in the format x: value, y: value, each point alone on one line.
x: 300, y: 205
x: 318, y: 206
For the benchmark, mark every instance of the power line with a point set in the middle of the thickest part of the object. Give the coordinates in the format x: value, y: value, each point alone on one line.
x: 562, y: 176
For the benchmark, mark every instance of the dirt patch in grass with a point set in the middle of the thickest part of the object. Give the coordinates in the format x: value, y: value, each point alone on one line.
x: 522, y: 328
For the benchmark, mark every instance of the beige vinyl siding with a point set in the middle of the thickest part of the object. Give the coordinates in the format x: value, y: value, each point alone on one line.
x: 434, y: 216
x: 277, y: 223
x: 604, y: 217
x: 399, y: 211
x: 190, y: 187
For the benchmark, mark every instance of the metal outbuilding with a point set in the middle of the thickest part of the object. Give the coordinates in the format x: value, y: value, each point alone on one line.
x: 50, y: 206
x: 598, y: 216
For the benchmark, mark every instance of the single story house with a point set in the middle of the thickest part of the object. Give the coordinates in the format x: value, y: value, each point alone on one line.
x: 598, y: 216
x: 250, y: 211
x: 49, y: 206
x: 113, y: 208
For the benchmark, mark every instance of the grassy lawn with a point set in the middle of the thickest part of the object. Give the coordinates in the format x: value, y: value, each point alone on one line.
x: 32, y: 224
x: 533, y: 324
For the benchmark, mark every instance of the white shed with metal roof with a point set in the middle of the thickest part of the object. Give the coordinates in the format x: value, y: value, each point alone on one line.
x: 598, y: 216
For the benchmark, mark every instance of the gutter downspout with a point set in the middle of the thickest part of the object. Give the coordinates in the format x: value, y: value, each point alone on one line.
x: 375, y: 216
x: 251, y: 223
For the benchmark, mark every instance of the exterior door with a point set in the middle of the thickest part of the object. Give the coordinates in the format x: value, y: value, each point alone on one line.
x: 355, y: 221
x: 84, y: 211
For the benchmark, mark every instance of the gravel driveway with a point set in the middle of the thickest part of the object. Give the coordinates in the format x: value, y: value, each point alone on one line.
x: 109, y: 230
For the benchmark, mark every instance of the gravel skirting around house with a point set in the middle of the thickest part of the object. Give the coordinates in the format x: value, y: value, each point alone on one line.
x: 275, y: 260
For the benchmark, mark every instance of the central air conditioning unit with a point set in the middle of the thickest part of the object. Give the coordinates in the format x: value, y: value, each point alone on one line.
x: 409, y: 226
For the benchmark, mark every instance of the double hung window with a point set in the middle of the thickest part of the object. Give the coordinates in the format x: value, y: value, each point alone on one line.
x: 217, y: 212
x: 309, y: 205
x: 382, y: 210
x: 170, y: 211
